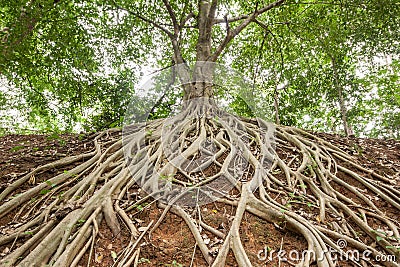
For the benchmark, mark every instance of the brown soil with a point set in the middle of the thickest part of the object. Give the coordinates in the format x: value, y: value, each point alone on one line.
x: 172, y: 243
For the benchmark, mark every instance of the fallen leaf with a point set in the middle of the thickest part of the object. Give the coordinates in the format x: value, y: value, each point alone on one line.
x: 98, y: 258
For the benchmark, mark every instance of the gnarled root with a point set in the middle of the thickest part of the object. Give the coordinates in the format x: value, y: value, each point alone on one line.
x: 199, y: 156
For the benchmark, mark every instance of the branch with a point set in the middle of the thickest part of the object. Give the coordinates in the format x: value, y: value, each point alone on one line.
x: 259, y: 58
x: 186, y: 19
x: 363, y: 6
x: 265, y: 27
x: 174, y: 37
x: 187, y: 9
x: 211, y: 16
x: 165, y: 30
x: 242, y: 26
x: 228, y: 28
x: 159, y: 101
x: 242, y: 17
x: 173, y: 17
x: 213, y: 9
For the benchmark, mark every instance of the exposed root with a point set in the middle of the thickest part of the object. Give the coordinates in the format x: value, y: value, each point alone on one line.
x: 199, y: 156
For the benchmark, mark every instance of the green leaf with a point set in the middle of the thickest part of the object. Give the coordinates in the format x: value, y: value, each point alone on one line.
x: 16, y: 148
x: 44, y: 191
x: 113, y: 255
x: 50, y: 184
x: 302, y: 185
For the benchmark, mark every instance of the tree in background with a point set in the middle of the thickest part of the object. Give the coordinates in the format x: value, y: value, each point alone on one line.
x: 322, y: 54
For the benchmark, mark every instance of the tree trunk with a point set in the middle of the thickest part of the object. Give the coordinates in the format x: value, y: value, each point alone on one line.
x: 276, y: 106
x: 203, y: 71
x: 202, y: 81
x: 343, y: 110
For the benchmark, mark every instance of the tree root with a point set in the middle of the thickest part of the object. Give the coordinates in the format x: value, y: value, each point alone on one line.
x: 199, y: 156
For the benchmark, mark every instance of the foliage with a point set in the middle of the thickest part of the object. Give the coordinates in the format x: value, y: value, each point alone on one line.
x: 70, y: 66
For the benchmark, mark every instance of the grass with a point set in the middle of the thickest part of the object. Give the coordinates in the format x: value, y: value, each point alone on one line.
x: 16, y: 148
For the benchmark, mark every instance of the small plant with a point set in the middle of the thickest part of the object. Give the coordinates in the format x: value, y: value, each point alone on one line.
x: 80, y: 222
x: 380, y: 235
x: 359, y: 150
x: 379, y: 238
x: 50, y: 183
x: 358, y: 234
x: 140, y: 207
x: 70, y: 174
x: 302, y: 185
x: 55, y: 136
x: 44, y: 191
x: 16, y: 148
x: 169, y: 177
x: 149, y: 132
x: 62, y: 142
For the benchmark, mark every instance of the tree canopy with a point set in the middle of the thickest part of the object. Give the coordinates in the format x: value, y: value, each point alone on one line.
x: 68, y: 65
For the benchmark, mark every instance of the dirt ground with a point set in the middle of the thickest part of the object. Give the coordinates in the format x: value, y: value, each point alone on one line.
x: 172, y: 243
